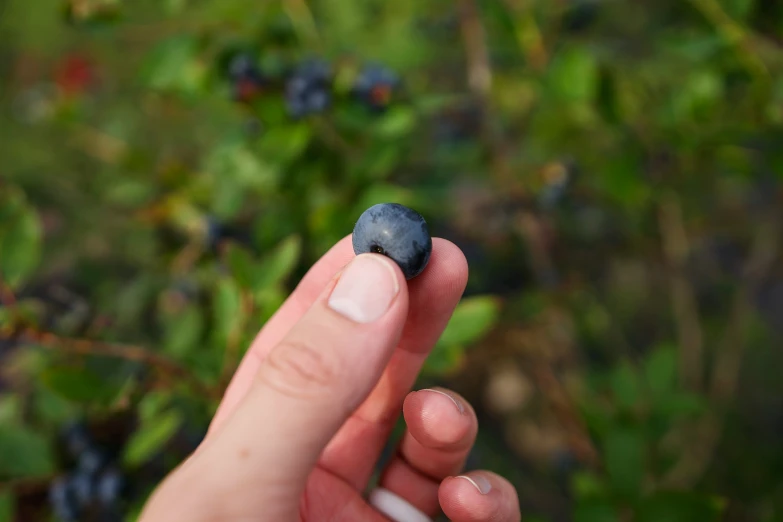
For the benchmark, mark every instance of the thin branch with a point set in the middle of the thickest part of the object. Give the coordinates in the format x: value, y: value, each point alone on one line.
x: 475, y: 38
x: 528, y: 34
x: 734, y: 33
x: 676, y: 248
x: 304, y: 22
x: 578, y: 439
x: 480, y: 75
x: 28, y: 485
x: 138, y: 354
x: 7, y: 297
x: 705, y: 437
x: 231, y: 356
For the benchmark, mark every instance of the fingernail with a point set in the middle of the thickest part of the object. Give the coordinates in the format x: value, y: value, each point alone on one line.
x: 365, y: 290
x: 480, y: 483
x: 457, y: 402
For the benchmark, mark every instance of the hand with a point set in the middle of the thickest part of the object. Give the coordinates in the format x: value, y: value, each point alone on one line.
x: 314, y: 400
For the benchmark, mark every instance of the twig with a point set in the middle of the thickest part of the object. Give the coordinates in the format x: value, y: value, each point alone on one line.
x: 334, y: 139
x: 127, y: 352
x: 528, y: 34
x: 98, y: 144
x: 686, y: 314
x: 566, y: 413
x: 233, y: 343
x: 22, y: 486
x: 734, y: 34
x: 7, y: 297
x: 480, y: 81
x: 475, y: 38
x: 725, y: 374
x: 302, y: 18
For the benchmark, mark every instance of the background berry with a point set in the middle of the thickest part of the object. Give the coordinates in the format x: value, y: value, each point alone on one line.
x: 307, y: 89
x: 375, y: 87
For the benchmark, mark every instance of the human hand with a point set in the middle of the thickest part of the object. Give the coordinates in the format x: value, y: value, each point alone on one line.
x: 311, y: 406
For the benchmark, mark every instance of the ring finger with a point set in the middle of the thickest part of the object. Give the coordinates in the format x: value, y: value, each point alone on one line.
x: 441, y: 430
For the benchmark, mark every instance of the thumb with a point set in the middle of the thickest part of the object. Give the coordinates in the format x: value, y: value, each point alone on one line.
x: 311, y: 382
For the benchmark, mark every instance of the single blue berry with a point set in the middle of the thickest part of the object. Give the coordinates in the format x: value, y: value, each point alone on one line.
x: 110, y: 486
x: 83, y: 486
x: 375, y: 87
x: 91, y: 461
x: 63, y: 500
x: 307, y: 89
x: 76, y: 439
x: 397, y: 232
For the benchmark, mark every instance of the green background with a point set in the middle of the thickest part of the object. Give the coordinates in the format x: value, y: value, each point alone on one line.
x: 610, y: 168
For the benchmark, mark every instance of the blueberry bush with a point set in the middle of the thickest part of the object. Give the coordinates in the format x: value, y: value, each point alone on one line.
x: 612, y: 171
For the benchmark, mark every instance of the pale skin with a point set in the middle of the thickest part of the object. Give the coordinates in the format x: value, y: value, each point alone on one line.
x: 311, y: 406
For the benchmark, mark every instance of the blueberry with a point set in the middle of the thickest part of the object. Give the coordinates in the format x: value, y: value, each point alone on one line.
x: 84, y: 487
x: 63, y: 500
x: 76, y: 439
x: 111, y: 484
x: 242, y: 66
x: 91, y: 461
x: 397, y: 232
x: 375, y: 87
x: 307, y: 89
x: 245, y: 77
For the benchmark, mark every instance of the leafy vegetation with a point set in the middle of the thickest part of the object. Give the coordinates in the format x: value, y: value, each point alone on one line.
x: 612, y: 171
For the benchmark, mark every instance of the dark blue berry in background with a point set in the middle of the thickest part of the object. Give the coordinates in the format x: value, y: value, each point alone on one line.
x: 91, y: 461
x: 64, y: 500
x: 397, y: 232
x: 84, y: 487
x: 375, y: 87
x: 110, y: 487
x: 76, y: 439
x: 307, y: 89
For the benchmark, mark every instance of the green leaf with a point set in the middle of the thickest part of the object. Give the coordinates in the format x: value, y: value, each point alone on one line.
x: 595, y: 511
x: 679, y: 507
x: 472, y: 319
x: 681, y: 404
x: 183, y: 330
x: 242, y: 264
x: 78, y: 385
x: 151, y: 437
x: 234, y: 171
x: 624, y: 460
x: 23, y: 453
x: 152, y: 404
x: 20, y: 239
x: 10, y: 408
x: 625, y: 386
x: 174, y: 66
x: 7, y: 506
x: 52, y: 408
x: 278, y: 264
x: 738, y: 9
x: 286, y: 143
x: 443, y: 360
x: 586, y: 484
x: 574, y: 76
x: 227, y: 310
x: 620, y: 179
x: 660, y: 371
x: 396, y: 123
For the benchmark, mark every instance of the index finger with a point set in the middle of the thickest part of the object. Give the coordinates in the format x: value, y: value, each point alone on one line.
x: 280, y: 323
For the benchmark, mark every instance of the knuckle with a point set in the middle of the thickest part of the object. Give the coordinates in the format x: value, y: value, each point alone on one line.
x: 299, y: 369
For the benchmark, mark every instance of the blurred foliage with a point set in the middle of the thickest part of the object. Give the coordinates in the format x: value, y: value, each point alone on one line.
x: 611, y: 170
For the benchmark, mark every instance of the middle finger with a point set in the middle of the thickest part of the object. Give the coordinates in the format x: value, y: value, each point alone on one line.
x: 432, y: 297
